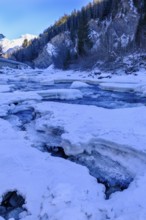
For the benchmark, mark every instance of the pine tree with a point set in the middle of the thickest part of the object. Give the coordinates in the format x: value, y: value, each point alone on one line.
x: 25, y: 43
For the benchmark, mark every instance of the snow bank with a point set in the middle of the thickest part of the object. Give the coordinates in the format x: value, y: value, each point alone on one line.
x: 85, y: 124
x: 50, y: 186
x: 131, y: 203
x: 17, y: 96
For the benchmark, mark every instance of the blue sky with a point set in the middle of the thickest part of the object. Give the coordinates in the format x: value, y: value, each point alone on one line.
x: 19, y: 17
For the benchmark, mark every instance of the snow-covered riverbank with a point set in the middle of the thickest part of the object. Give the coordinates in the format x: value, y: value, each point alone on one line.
x: 111, y: 143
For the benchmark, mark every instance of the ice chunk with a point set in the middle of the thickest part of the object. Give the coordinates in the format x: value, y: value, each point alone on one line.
x: 62, y: 94
x: 119, y: 87
x: 78, y: 84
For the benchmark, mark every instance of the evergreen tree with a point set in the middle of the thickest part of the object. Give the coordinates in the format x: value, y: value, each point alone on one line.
x: 84, y: 42
x: 25, y: 43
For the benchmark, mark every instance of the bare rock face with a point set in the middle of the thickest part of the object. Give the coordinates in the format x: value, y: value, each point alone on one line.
x: 115, y: 35
x: 44, y: 59
x: 63, y: 38
x: 55, y: 51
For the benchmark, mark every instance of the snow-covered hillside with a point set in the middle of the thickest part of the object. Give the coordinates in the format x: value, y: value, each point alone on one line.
x: 10, y: 46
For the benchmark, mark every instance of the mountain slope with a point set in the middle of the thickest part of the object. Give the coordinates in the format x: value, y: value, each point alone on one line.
x: 9, y: 46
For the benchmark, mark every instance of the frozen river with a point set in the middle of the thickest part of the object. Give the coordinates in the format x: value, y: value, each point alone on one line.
x: 67, y: 126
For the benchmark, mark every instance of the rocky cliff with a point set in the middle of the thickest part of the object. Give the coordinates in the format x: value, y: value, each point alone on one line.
x: 55, y: 51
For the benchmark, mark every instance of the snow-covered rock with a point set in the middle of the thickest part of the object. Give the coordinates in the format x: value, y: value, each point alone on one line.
x: 62, y: 94
x: 51, y: 49
x: 77, y: 84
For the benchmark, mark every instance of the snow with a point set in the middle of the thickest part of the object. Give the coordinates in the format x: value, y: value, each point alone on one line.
x: 125, y: 40
x: 142, y: 90
x: 78, y: 84
x: 5, y: 88
x: 125, y: 127
x: 134, y: 199
x: 62, y: 94
x: 10, y: 45
x: 47, y: 82
x: 119, y: 87
x: 58, y: 189
x: 17, y: 96
x: 51, y: 49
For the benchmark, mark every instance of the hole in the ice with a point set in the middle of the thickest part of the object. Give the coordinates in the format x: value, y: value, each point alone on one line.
x: 109, y: 190
x: 57, y: 152
x: 16, y: 103
x: 26, y: 116
x: 12, y: 206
